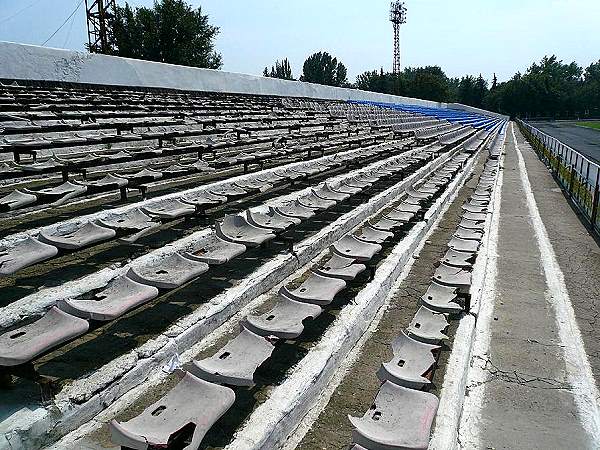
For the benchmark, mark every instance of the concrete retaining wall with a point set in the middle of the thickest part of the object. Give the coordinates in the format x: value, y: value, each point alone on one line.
x: 29, y: 62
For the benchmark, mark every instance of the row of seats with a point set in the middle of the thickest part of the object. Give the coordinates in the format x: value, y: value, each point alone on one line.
x: 135, y: 222
x: 403, y: 413
x: 231, y: 237
x: 121, y: 180
x: 207, y: 381
x: 431, y: 133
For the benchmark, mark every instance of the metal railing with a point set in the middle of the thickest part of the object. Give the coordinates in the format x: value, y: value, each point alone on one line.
x: 576, y: 174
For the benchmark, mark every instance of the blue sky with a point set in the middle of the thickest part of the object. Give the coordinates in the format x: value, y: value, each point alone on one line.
x: 462, y: 36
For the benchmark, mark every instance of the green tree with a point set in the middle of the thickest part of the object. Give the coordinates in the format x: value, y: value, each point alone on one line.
x: 281, y: 70
x: 322, y: 68
x: 170, y: 32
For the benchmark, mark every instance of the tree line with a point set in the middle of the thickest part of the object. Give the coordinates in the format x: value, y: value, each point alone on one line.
x: 174, y: 32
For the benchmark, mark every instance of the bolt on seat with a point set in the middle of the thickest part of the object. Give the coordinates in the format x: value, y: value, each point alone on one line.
x: 191, y: 401
x: 22, y: 344
x: 412, y: 360
x: 167, y: 273
x: 120, y: 295
x: 399, y: 419
x: 235, y: 228
x: 236, y: 362
x: 456, y: 258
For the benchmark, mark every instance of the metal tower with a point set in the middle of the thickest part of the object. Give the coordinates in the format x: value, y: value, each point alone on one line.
x: 397, y: 17
x: 98, y: 12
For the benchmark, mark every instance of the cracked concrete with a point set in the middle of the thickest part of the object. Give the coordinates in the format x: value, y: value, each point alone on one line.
x: 528, y: 401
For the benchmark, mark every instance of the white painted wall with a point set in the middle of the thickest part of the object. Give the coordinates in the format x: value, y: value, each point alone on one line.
x: 29, y: 62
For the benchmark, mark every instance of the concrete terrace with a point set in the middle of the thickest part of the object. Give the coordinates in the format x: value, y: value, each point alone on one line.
x: 196, y: 259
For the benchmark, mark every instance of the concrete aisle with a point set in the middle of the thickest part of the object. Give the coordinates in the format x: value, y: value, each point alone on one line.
x: 527, y: 402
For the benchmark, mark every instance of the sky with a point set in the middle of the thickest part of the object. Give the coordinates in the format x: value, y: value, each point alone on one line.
x: 462, y: 36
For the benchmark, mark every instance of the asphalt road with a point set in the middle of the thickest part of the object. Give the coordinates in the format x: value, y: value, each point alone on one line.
x: 584, y: 140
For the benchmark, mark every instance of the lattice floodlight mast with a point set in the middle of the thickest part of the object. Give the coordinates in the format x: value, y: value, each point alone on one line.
x: 98, y: 13
x: 397, y: 17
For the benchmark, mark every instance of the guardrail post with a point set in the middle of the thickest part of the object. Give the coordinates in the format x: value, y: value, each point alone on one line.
x: 595, y: 200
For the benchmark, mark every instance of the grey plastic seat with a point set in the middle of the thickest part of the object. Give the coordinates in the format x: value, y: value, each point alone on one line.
x: 472, y: 225
x: 345, y: 188
x: 21, y: 345
x: 284, y: 321
x: 453, y: 276
x: 412, y: 360
x: 17, y: 199
x: 227, y: 191
x: 316, y: 289
x: 134, y: 220
x: 358, y: 182
x: 23, y: 254
x: 326, y: 193
x: 350, y: 247
x: 442, y: 298
x: 373, y: 235
x: 469, y: 234
x: 169, y: 209
x: 295, y: 210
x: 68, y: 188
x: 149, y: 174
x: 271, y: 178
x: 474, y: 209
x: 464, y: 245
x: 340, y: 267
x: 203, y: 200
x: 213, y: 250
x: 271, y: 220
x: 109, y: 180
x: 314, y: 202
x: 477, y: 217
x: 191, y: 401
x: 428, y: 326
x: 70, y: 238
x: 120, y: 295
x: 253, y: 185
x: 459, y: 259
x: 235, y: 228
x: 399, y: 419
x: 400, y: 216
x: 236, y: 362
x: 168, y: 273
x: 415, y: 193
x: 385, y: 224
x: 407, y: 207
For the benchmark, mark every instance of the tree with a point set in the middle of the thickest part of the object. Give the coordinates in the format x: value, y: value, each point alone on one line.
x: 170, y: 32
x: 281, y: 70
x: 322, y: 68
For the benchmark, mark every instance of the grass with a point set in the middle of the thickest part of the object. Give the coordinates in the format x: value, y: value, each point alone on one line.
x: 593, y: 125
